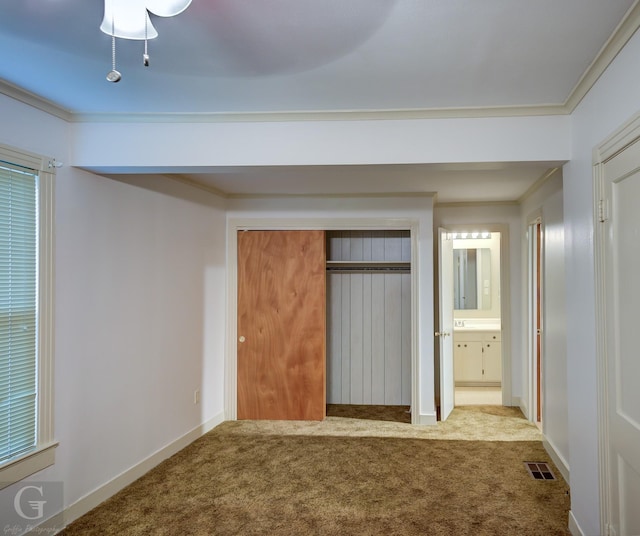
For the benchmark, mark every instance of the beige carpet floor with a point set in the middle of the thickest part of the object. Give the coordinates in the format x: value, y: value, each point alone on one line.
x: 466, y: 423
x: 337, y: 478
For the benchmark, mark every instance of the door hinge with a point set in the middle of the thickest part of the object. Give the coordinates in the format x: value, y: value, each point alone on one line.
x: 603, y: 211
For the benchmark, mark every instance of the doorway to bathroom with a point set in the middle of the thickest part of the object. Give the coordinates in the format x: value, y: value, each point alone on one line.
x: 473, y: 337
x: 477, y: 316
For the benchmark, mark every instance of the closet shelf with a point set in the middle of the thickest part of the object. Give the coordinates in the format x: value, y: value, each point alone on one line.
x: 368, y: 266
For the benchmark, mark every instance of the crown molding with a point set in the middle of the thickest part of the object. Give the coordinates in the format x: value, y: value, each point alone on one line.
x: 26, y: 97
x: 199, y: 185
x: 456, y: 204
x: 616, y: 42
x: 323, y: 115
x: 51, y: 108
x: 539, y: 183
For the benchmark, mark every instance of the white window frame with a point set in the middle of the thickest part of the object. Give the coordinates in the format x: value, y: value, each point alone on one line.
x: 43, y: 454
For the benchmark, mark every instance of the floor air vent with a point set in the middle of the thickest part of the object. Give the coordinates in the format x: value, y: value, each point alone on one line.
x: 539, y: 470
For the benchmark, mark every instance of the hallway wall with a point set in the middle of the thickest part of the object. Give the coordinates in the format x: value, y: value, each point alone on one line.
x: 547, y: 202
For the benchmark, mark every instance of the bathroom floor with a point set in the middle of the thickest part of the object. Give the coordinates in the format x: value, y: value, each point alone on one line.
x: 474, y: 396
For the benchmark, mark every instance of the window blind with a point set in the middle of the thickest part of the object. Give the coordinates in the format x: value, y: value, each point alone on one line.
x: 18, y: 310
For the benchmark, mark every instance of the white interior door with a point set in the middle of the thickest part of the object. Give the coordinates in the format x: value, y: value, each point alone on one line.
x: 445, y: 330
x: 621, y: 190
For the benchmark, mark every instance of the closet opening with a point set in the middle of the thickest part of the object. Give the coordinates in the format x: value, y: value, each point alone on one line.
x: 368, y: 350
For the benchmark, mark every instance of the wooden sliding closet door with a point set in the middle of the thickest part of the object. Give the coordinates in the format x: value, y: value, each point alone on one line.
x: 281, y: 325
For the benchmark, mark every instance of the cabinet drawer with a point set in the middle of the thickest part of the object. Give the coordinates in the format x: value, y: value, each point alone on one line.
x: 467, y: 336
x: 482, y: 336
x: 489, y: 336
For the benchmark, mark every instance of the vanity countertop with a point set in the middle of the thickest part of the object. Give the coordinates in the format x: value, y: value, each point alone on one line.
x: 478, y: 327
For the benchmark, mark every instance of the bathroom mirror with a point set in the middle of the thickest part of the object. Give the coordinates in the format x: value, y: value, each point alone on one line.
x: 472, y: 279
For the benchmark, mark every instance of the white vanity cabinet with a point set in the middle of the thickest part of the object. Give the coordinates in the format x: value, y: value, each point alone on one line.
x: 477, y: 357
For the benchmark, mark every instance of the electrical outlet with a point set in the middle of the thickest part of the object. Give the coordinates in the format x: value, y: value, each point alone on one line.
x: 196, y: 396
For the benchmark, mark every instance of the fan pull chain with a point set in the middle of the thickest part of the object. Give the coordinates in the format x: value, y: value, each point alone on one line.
x: 145, y: 56
x: 113, y: 52
x: 113, y: 75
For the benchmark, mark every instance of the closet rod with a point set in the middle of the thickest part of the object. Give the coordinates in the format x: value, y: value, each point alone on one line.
x: 379, y: 267
x: 369, y: 269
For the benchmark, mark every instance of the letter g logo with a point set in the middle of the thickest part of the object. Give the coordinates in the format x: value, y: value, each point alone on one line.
x: 37, y: 506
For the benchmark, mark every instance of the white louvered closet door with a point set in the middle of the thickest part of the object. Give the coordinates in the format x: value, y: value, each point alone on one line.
x: 369, y: 320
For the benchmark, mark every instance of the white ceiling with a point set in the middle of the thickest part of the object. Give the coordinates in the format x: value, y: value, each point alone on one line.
x: 475, y: 182
x: 282, y: 56
x: 449, y: 183
x: 300, y: 55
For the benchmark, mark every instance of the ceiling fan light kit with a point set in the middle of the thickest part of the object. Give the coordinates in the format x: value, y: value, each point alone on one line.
x: 129, y: 19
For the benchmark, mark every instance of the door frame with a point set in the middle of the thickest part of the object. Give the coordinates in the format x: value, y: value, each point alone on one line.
x: 535, y: 300
x: 505, y: 297
x: 619, y: 140
x: 316, y: 224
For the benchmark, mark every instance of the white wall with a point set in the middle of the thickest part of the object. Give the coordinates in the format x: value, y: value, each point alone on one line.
x: 181, y: 147
x: 547, y: 203
x: 134, y: 270
x: 325, y: 212
x: 508, y: 215
x: 29, y: 129
x: 611, y: 102
x: 139, y: 318
x: 554, y: 350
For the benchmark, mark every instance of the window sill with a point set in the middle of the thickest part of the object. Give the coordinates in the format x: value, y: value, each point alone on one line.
x: 15, y: 470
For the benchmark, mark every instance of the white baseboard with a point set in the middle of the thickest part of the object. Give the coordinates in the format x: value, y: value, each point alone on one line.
x: 94, y: 498
x: 428, y: 418
x: 557, y: 458
x: 574, y: 527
